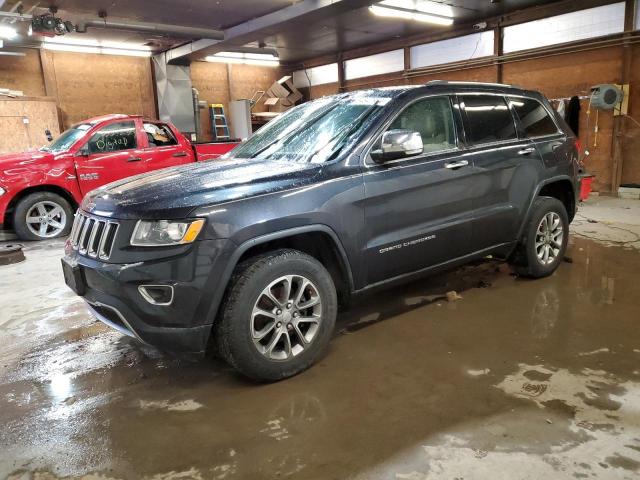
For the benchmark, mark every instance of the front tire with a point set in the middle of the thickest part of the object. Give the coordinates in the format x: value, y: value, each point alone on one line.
x: 42, y: 216
x: 544, y: 240
x: 278, y: 315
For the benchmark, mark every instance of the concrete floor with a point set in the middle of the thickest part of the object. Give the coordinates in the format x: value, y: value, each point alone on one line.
x: 516, y: 380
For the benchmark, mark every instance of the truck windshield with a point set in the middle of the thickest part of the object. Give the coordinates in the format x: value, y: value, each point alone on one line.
x: 312, y: 132
x: 67, y: 139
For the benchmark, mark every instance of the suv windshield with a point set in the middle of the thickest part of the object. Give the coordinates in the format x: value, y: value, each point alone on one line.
x: 68, y: 138
x: 312, y: 132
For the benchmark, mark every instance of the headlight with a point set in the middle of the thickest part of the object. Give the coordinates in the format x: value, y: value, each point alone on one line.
x: 161, y: 233
x: 2, y: 191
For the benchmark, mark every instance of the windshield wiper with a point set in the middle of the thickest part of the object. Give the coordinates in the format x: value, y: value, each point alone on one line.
x: 294, y: 132
x: 345, y: 132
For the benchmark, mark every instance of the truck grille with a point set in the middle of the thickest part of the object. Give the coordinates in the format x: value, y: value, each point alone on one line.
x: 92, y: 236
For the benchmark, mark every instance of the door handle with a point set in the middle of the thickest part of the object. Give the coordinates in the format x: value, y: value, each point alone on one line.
x: 526, y: 151
x: 458, y: 164
x: 134, y: 159
x: 179, y: 154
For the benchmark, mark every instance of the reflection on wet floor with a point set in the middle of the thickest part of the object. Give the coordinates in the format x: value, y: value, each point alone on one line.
x: 516, y: 379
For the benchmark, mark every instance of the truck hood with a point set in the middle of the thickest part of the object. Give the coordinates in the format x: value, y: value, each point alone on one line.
x: 174, y: 192
x: 24, y: 159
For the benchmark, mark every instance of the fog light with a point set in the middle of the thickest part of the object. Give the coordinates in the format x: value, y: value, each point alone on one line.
x: 157, y: 294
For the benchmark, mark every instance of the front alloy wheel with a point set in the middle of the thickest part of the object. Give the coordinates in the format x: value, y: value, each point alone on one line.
x: 46, y: 219
x: 278, y: 315
x: 42, y: 215
x: 286, y: 317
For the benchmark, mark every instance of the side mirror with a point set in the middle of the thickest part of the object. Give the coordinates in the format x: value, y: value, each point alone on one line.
x: 398, y: 144
x: 83, y: 152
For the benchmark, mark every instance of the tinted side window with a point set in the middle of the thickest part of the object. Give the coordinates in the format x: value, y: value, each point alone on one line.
x: 432, y: 119
x: 159, y: 135
x: 534, y: 117
x: 488, y: 119
x: 114, y: 137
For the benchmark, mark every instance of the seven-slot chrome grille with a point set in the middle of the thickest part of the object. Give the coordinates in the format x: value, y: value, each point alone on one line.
x: 92, y: 236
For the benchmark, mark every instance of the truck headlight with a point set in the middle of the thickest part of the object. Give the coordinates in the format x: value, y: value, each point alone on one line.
x: 2, y: 191
x: 160, y: 233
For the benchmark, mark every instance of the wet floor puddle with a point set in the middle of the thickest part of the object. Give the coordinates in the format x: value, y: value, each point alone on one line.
x: 540, y: 378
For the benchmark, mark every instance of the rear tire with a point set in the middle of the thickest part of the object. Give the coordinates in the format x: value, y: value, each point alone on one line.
x: 278, y: 315
x: 42, y: 216
x: 544, y: 240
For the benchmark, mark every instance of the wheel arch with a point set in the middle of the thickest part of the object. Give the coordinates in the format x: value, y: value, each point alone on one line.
x: 561, y: 188
x: 309, y: 239
x: 318, y: 241
x: 64, y: 193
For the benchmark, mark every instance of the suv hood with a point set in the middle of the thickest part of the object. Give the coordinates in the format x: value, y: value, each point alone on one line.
x: 174, y: 192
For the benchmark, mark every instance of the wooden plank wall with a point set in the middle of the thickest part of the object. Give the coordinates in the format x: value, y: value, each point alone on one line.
x: 23, y: 122
x: 631, y: 139
x: 84, y: 85
x: 220, y: 83
x: 555, y: 76
x: 23, y: 73
x: 90, y: 85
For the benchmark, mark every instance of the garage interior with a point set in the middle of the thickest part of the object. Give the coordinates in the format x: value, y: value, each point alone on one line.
x: 470, y: 373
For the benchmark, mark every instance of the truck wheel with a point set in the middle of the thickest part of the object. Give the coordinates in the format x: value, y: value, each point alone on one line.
x: 278, y: 315
x: 42, y: 215
x: 544, y: 240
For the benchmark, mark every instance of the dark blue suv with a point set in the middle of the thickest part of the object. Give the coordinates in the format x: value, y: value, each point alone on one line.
x: 252, y: 254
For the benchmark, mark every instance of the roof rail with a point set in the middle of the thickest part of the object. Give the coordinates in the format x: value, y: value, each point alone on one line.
x: 487, y: 84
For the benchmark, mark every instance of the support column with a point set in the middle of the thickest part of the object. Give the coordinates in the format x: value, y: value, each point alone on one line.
x: 497, y: 51
x: 619, y: 122
x: 407, y: 63
x: 340, y: 72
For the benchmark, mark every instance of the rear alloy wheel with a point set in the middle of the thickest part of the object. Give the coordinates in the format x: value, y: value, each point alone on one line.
x: 544, y: 239
x: 549, y: 238
x: 278, y: 315
x: 41, y: 216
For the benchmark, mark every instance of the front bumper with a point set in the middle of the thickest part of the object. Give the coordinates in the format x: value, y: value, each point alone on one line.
x: 111, y: 291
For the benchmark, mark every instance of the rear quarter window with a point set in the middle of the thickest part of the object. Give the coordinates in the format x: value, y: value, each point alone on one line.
x: 534, y: 118
x: 487, y: 119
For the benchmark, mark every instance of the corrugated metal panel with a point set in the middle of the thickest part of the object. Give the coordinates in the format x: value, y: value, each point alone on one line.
x: 175, y: 97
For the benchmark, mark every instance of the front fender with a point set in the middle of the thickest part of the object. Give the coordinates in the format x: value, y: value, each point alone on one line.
x: 60, y: 175
x: 230, y: 255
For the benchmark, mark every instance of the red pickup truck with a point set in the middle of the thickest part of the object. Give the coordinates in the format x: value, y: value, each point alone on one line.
x: 39, y: 190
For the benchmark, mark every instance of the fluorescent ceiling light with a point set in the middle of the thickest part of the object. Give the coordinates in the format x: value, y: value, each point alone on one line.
x: 8, y: 32
x: 92, y: 42
x: 421, y: 11
x: 98, y: 50
x: 424, y: 6
x: 91, y: 45
x: 264, y: 59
